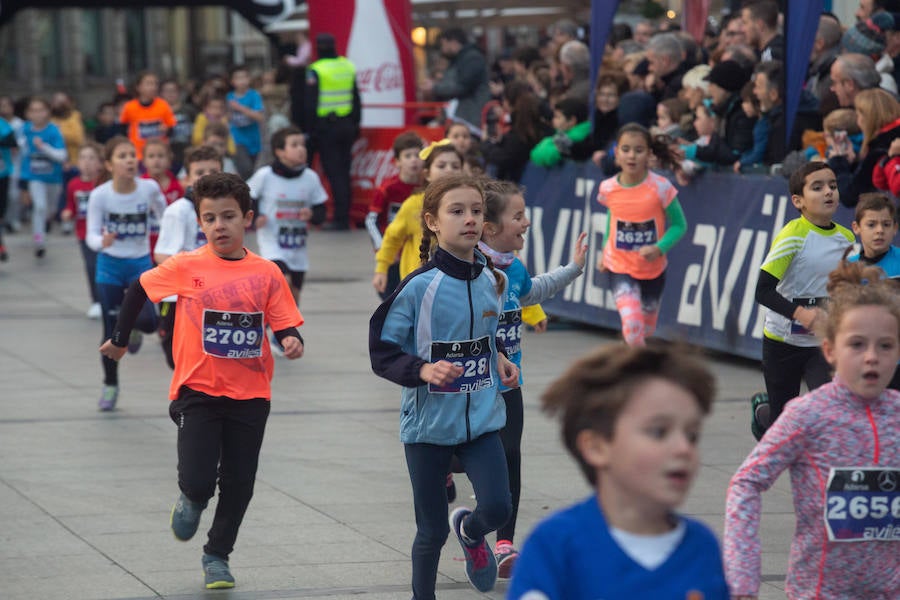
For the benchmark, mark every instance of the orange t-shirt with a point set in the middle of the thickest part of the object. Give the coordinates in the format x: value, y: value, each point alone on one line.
x: 220, y: 346
x: 146, y: 122
x: 637, y: 217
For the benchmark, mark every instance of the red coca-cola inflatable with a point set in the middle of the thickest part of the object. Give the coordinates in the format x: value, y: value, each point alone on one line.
x: 375, y: 36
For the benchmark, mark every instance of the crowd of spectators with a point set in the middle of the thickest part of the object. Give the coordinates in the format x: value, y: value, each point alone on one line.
x: 731, y: 83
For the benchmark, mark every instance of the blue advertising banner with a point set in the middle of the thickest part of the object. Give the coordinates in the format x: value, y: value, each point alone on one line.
x: 711, y: 278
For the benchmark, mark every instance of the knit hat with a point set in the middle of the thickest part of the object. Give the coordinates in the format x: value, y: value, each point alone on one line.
x: 636, y: 106
x: 728, y: 75
x: 868, y: 37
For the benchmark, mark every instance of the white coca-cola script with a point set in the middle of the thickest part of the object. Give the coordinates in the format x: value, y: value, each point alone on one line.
x: 387, y: 76
x: 370, y: 166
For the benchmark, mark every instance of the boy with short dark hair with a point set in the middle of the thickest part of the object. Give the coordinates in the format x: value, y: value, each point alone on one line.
x: 392, y: 193
x: 791, y: 285
x: 180, y: 232
x: 290, y: 196
x: 631, y: 417
x: 875, y: 222
x: 572, y: 139
x: 221, y: 387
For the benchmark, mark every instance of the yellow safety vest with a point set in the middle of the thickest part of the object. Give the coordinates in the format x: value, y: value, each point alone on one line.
x: 336, y: 77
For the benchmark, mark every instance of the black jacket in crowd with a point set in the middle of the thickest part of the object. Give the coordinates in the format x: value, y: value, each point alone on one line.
x: 737, y: 138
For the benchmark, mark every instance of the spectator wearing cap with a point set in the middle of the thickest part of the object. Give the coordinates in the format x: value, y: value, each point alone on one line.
x: 761, y: 26
x: 736, y: 129
x: 851, y: 74
x: 768, y: 83
x: 666, y: 61
x: 742, y: 54
x: 869, y: 37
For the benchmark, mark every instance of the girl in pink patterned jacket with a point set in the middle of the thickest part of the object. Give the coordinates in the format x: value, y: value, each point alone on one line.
x: 841, y: 443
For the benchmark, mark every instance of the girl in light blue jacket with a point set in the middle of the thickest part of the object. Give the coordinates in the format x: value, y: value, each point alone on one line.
x: 436, y: 337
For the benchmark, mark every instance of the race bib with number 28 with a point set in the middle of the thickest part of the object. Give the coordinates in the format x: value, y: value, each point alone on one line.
x: 474, y: 356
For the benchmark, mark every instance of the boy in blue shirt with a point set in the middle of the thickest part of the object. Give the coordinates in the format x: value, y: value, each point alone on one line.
x: 245, y: 113
x: 875, y: 222
x: 631, y: 417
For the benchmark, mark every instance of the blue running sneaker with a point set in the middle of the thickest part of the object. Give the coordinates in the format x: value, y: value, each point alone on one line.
x: 481, y: 565
x: 185, y: 518
x: 216, y: 572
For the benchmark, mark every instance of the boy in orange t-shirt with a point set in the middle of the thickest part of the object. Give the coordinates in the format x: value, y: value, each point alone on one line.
x: 220, y: 390
x: 147, y: 116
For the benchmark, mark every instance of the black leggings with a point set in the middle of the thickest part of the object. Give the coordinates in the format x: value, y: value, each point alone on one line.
x: 784, y: 366
x: 511, y: 436
x: 219, y: 437
x: 428, y: 464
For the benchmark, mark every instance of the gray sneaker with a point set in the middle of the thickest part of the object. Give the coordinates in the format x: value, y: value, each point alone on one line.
x: 108, y: 397
x: 216, y: 572
x: 185, y: 517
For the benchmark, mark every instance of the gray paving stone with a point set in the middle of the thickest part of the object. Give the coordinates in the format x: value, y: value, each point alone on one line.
x: 85, y: 496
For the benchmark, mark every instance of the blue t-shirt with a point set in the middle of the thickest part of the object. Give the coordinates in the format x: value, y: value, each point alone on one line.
x: 571, y: 555
x: 36, y: 164
x: 6, y: 161
x: 889, y: 263
x: 245, y: 130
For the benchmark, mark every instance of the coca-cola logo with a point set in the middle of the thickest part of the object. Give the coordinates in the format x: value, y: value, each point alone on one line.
x: 370, y: 167
x: 386, y: 76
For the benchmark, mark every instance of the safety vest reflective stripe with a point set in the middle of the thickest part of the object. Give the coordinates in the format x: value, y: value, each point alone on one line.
x: 336, y: 77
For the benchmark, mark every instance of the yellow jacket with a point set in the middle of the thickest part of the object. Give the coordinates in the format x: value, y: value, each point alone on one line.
x: 200, y: 127
x: 403, y: 235
x: 72, y: 130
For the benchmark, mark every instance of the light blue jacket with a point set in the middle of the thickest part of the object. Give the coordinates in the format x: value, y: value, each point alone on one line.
x: 446, y: 300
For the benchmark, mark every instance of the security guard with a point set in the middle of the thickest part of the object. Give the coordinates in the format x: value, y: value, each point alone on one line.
x: 333, y: 112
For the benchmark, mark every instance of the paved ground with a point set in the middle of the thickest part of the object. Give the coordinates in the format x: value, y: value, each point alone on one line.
x: 85, y: 496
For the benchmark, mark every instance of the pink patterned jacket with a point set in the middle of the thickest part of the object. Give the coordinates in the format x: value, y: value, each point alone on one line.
x: 829, y: 427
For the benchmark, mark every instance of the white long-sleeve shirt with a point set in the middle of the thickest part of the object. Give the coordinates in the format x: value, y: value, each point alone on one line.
x: 126, y: 214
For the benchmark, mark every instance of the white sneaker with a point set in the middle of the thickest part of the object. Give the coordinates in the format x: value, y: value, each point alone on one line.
x: 94, y: 312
